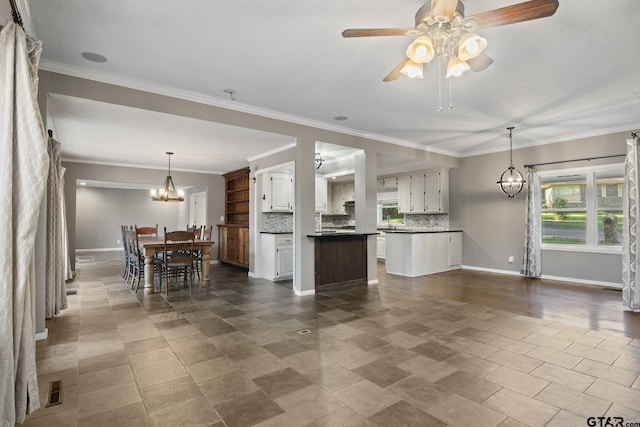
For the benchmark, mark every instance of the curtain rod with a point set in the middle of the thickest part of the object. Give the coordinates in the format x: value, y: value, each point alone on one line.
x: 15, y: 13
x: 575, y: 160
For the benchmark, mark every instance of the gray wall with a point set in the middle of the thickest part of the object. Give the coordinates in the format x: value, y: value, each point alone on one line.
x: 494, y: 224
x: 101, y: 211
x: 214, y: 185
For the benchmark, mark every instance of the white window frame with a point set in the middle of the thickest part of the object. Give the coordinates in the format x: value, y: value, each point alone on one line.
x: 591, y: 209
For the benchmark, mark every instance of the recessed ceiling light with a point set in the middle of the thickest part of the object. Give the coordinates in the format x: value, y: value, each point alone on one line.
x: 93, y: 57
x: 333, y: 177
x: 83, y: 183
x: 340, y: 118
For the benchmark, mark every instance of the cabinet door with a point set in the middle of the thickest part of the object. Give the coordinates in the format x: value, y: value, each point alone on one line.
x: 417, y: 193
x: 404, y: 194
x: 381, y: 247
x: 321, y: 194
x: 284, y: 261
x: 243, y: 246
x: 432, y: 192
x: 455, y: 249
x: 280, y: 192
x: 349, y: 191
x: 338, y: 198
x: 222, y: 252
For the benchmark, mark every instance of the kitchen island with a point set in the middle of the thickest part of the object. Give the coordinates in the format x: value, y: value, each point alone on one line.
x: 340, y: 259
x: 415, y: 253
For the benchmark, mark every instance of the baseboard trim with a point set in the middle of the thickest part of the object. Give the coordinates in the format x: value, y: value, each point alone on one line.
x: 373, y: 282
x: 83, y: 251
x: 252, y: 275
x: 40, y: 336
x: 303, y: 293
x: 548, y: 277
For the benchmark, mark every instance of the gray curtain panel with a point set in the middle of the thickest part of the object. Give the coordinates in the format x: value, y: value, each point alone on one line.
x: 23, y: 172
x: 630, y: 252
x: 531, y: 256
x: 56, y: 290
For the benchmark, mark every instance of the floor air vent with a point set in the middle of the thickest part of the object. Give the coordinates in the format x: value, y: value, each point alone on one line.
x: 55, y: 393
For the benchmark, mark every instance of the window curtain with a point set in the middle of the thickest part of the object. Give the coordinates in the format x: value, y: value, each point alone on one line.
x: 630, y: 252
x: 23, y: 173
x: 531, y: 257
x: 56, y: 264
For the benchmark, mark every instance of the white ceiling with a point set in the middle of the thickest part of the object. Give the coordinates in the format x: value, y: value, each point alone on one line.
x: 567, y: 76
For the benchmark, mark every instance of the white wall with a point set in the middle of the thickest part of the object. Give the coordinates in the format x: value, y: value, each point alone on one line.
x: 101, y: 211
x: 494, y: 224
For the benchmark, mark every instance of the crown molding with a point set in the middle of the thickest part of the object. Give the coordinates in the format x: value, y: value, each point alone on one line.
x: 113, y: 79
x: 138, y: 166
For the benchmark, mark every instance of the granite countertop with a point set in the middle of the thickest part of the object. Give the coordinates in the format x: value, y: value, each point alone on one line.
x: 276, y: 232
x: 417, y: 231
x: 332, y: 233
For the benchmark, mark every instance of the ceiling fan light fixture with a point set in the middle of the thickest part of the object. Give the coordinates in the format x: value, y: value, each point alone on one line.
x: 412, y: 70
x: 456, y: 67
x: 470, y: 46
x: 421, y: 50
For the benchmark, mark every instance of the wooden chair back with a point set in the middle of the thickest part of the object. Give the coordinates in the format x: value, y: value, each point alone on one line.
x: 206, y: 232
x: 147, y: 231
x: 178, y: 247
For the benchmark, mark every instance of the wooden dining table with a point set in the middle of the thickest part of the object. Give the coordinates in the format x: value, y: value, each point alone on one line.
x: 154, y: 245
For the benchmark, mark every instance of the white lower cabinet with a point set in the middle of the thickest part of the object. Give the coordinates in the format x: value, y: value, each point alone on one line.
x: 417, y: 254
x: 381, y: 246
x: 277, y: 256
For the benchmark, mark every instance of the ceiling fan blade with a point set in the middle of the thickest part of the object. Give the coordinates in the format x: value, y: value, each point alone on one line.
x: 520, y: 12
x: 371, y: 32
x: 443, y: 10
x: 395, y: 73
x: 480, y: 62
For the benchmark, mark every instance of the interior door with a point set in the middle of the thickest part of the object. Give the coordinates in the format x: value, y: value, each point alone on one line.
x: 198, y: 208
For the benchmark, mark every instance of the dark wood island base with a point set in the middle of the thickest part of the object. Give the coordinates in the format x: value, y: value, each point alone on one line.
x: 340, y: 260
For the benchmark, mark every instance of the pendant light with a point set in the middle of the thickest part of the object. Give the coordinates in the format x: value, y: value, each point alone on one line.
x: 319, y: 160
x: 168, y: 193
x: 511, y: 180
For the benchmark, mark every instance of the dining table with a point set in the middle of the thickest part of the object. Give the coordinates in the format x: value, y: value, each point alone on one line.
x: 151, y: 246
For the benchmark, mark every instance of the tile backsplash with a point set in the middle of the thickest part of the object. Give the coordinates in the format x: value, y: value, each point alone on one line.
x: 430, y: 221
x: 277, y: 222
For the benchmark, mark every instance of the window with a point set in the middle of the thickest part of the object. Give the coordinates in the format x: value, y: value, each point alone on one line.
x: 582, y: 208
x: 388, y: 208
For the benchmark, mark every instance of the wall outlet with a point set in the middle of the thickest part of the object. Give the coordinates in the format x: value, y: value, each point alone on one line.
x: 118, y: 241
x: 511, y: 259
x: 222, y: 218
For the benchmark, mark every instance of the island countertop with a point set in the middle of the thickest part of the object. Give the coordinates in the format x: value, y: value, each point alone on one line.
x: 321, y: 234
x: 387, y: 231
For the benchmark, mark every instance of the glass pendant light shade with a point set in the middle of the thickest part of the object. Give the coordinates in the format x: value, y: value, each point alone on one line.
x: 412, y: 69
x: 470, y: 46
x: 421, y: 50
x: 456, y: 67
x: 511, y: 181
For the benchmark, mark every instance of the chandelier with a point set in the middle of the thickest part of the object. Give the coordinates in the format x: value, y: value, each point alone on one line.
x: 167, y: 193
x: 511, y: 180
x: 319, y: 160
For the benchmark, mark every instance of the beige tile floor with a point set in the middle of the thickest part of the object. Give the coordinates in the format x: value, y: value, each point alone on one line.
x: 403, y: 352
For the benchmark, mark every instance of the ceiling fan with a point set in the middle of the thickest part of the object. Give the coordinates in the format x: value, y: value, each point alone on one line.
x: 443, y: 31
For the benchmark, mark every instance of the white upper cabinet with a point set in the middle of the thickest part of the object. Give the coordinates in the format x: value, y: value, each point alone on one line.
x: 342, y: 192
x: 321, y: 195
x: 388, y: 183
x: 277, y: 192
x: 427, y: 192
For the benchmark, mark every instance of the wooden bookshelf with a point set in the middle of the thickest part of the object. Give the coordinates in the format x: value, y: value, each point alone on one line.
x: 236, y: 208
x: 234, y: 233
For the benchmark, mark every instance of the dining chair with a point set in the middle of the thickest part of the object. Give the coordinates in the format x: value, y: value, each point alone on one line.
x: 197, y: 256
x: 147, y: 231
x: 125, y: 246
x: 178, y: 257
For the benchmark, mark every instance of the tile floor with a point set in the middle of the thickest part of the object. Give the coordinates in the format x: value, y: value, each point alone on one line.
x: 452, y: 349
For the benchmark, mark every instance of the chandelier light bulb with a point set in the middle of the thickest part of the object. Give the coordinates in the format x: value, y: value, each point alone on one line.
x: 470, y: 46
x: 421, y: 50
x: 456, y: 67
